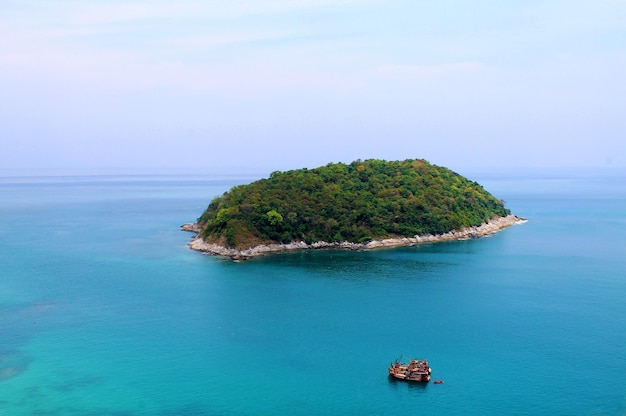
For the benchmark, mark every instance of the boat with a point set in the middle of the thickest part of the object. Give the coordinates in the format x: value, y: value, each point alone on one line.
x: 414, y: 370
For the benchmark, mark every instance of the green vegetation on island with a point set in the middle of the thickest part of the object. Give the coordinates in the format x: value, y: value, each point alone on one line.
x: 356, y: 202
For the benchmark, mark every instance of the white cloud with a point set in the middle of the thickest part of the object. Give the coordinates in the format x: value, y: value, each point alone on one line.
x: 225, y: 39
x: 53, y: 64
x: 98, y: 14
x: 71, y: 13
x: 420, y: 71
x: 71, y: 42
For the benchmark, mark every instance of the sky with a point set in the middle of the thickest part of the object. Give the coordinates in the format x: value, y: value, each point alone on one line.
x: 263, y: 85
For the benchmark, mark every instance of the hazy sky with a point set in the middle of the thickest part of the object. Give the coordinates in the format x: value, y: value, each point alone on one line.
x: 280, y: 84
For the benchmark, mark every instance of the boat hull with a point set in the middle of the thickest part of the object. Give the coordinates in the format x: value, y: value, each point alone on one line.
x: 415, y: 379
x: 416, y: 371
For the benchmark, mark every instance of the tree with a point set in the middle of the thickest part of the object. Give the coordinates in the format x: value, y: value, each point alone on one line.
x: 362, y: 200
x: 274, y: 217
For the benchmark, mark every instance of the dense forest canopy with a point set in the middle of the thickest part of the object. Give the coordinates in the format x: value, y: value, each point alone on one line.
x: 360, y: 201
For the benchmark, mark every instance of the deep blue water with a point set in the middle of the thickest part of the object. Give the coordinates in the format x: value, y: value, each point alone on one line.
x: 104, y: 310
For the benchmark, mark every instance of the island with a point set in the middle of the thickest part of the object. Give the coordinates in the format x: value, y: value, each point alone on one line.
x: 363, y: 205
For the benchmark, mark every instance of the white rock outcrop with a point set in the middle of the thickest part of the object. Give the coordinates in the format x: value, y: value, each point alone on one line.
x: 494, y: 225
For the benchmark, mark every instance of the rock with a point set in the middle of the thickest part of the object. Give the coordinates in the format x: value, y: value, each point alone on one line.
x: 192, y: 227
x: 493, y: 226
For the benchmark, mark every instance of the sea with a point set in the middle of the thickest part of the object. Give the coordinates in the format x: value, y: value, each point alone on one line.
x: 104, y: 310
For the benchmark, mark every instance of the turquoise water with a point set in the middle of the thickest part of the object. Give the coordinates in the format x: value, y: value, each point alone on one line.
x: 104, y: 310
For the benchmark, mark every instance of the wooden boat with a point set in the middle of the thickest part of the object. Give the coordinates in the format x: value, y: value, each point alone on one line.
x: 414, y: 370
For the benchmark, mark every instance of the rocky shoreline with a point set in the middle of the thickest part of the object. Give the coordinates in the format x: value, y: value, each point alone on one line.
x: 491, y: 227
